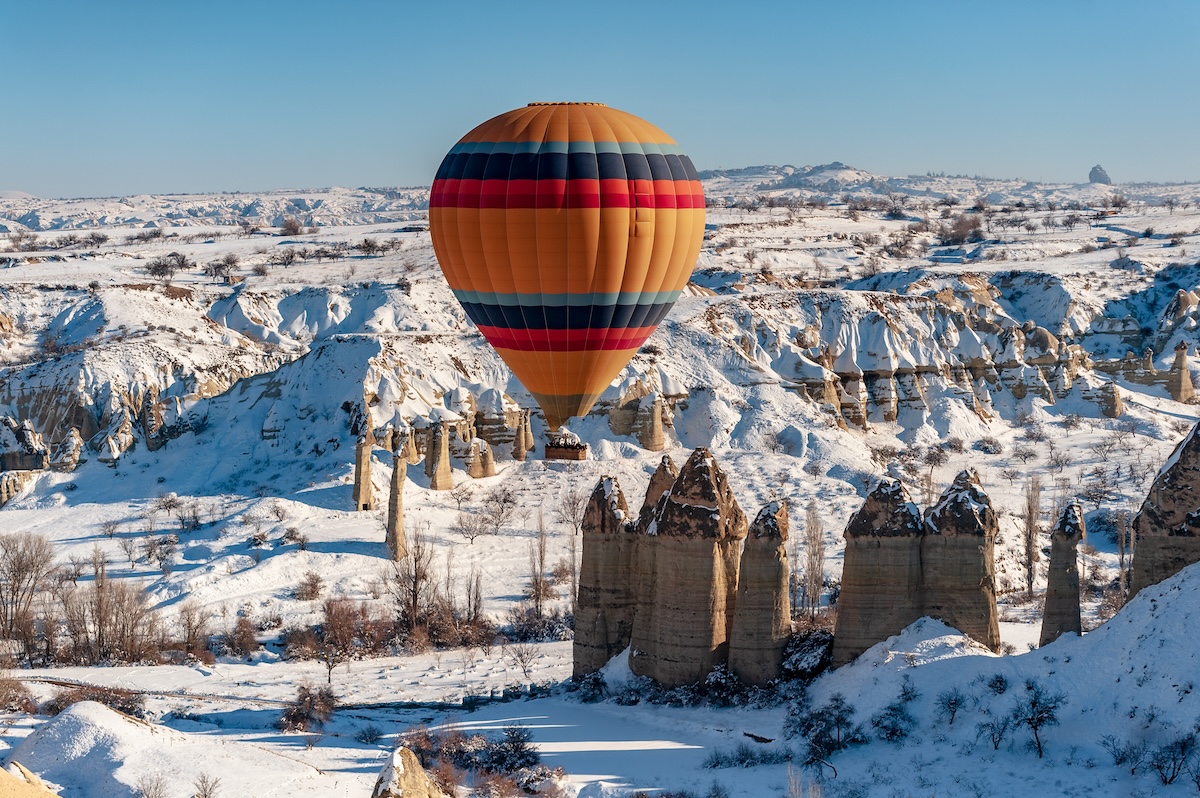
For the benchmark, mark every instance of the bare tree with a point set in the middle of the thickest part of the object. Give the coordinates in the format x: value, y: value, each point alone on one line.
x: 539, y: 584
x: 194, y: 626
x: 472, y: 525
x: 499, y: 504
x: 410, y: 580
x: 1031, y: 516
x: 814, y: 560
x: 522, y: 655
x: 207, y: 786
x: 26, y: 564
x: 337, y: 634
x: 571, y: 506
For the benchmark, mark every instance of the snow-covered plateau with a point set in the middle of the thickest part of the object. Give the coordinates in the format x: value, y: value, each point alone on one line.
x: 194, y: 372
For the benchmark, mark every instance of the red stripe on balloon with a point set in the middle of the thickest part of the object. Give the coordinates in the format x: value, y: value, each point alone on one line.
x: 577, y: 193
x: 589, y: 339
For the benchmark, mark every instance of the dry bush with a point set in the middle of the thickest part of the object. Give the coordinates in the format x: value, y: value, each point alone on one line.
x: 311, y: 710
x: 310, y: 587
x: 15, y: 696
x: 126, y: 701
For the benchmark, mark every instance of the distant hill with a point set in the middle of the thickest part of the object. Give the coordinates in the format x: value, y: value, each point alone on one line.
x: 13, y: 194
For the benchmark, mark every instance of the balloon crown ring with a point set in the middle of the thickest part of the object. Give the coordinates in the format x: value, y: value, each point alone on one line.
x: 602, y: 105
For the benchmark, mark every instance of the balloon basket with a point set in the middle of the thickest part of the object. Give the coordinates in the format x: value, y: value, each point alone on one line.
x: 566, y: 452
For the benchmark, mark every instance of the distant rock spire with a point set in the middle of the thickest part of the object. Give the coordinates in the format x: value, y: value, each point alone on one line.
x: 1062, y: 583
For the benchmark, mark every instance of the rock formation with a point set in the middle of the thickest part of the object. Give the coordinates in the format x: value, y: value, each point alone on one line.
x: 1111, y: 404
x: 396, y: 543
x: 68, y: 454
x: 113, y: 442
x: 364, y: 491
x: 437, y: 457
x: 527, y: 428
x: 1179, y: 380
x: 519, y: 448
x: 640, y: 411
x: 607, y: 590
x: 694, y: 538
x: 1062, y: 585
x: 1167, y: 528
x: 12, y: 483
x: 660, y: 482
x: 957, y: 567
x: 403, y: 777
x: 762, y: 618
x: 881, y: 575
x: 1098, y: 175
x: 482, y: 464
x: 21, y: 447
x: 22, y: 783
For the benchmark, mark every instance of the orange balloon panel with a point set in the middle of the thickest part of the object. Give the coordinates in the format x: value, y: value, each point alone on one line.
x: 567, y: 231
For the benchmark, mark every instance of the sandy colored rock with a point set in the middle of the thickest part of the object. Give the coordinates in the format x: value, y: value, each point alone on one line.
x: 519, y: 448
x: 607, y: 592
x: 396, y: 544
x: 761, y: 615
x: 364, y: 490
x: 1062, y: 584
x: 437, y: 457
x: 22, y: 784
x: 957, y: 566
x: 12, y: 483
x: 881, y: 575
x: 1179, y: 381
x: 1110, y: 401
x: 649, y: 428
x: 1166, y: 528
x: 694, y: 540
x: 660, y: 482
x: 21, y: 447
x: 403, y: 777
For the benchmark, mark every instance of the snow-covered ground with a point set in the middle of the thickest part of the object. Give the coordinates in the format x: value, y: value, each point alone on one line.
x: 259, y: 376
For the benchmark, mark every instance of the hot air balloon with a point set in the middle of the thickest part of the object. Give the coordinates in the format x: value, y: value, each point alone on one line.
x: 567, y: 231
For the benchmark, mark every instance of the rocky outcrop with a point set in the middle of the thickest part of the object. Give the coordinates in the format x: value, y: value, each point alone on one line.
x: 660, y: 482
x: 520, y: 448
x: 22, y: 783
x: 881, y: 575
x: 403, y: 777
x: 958, y: 572
x: 21, y: 447
x: 1062, y: 584
x: 607, y: 590
x: 395, y: 540
x: 1098, y: 175
x: 12, y: 483
x: 694, y: 539
x: 437, y: 457
x: 482, y: 464
x: 1167, y: 528
x: 640, y: 411
x: 113, y: 442
x: 1179, y: 380
x: 68, y: 454
x: 762, y: 616
x: 364, y: 490
x: 496, y: 418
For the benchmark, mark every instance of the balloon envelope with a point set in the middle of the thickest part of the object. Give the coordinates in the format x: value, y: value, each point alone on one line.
x: 567, y: 231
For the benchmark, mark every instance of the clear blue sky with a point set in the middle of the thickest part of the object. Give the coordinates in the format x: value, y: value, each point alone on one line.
x: 115, y: 98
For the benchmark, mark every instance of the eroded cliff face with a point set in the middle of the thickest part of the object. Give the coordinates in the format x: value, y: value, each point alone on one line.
x: 694, y: 540
x: 607, y: 579
x: 1167, y: 528
x: 762, y: 615
x: 881, y: 575
x: 1062, y: 583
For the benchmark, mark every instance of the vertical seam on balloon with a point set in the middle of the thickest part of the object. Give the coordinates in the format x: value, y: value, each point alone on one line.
x: 527, y: 329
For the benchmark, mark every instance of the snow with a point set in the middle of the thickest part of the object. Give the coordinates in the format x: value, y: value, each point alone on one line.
x: 260, y: 373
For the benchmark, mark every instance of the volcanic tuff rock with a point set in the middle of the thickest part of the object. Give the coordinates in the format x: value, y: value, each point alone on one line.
x: 660, y: 482
x: 881, y: 577
x: 957, y: 566
x: 1062, y: 584
x: 437, y: 457
x: 21, y: 447
x: 607, y: 589
x: 403, y: 777
x: 762, y: 616
x: 364, y: 490
x: 1167, y: 528
x: 396, y: 543
x: 682, y: 631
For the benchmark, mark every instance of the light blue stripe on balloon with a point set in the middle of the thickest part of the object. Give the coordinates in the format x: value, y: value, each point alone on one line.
x: 567, y: 300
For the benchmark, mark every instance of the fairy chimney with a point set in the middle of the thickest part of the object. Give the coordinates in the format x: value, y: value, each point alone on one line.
x: 1179, y: 379
x: 694, y: 538
x: 958, y: 570
x: 364, y: 492
x: 1062, y: 584
x: 437, y: 457
x: 607, y: 592
x: 881, y: 575
x: 660, y: 482
x: 396, y: 545
x: 1167, y: 528
x: 761, y: 615
x: 519, y: 448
